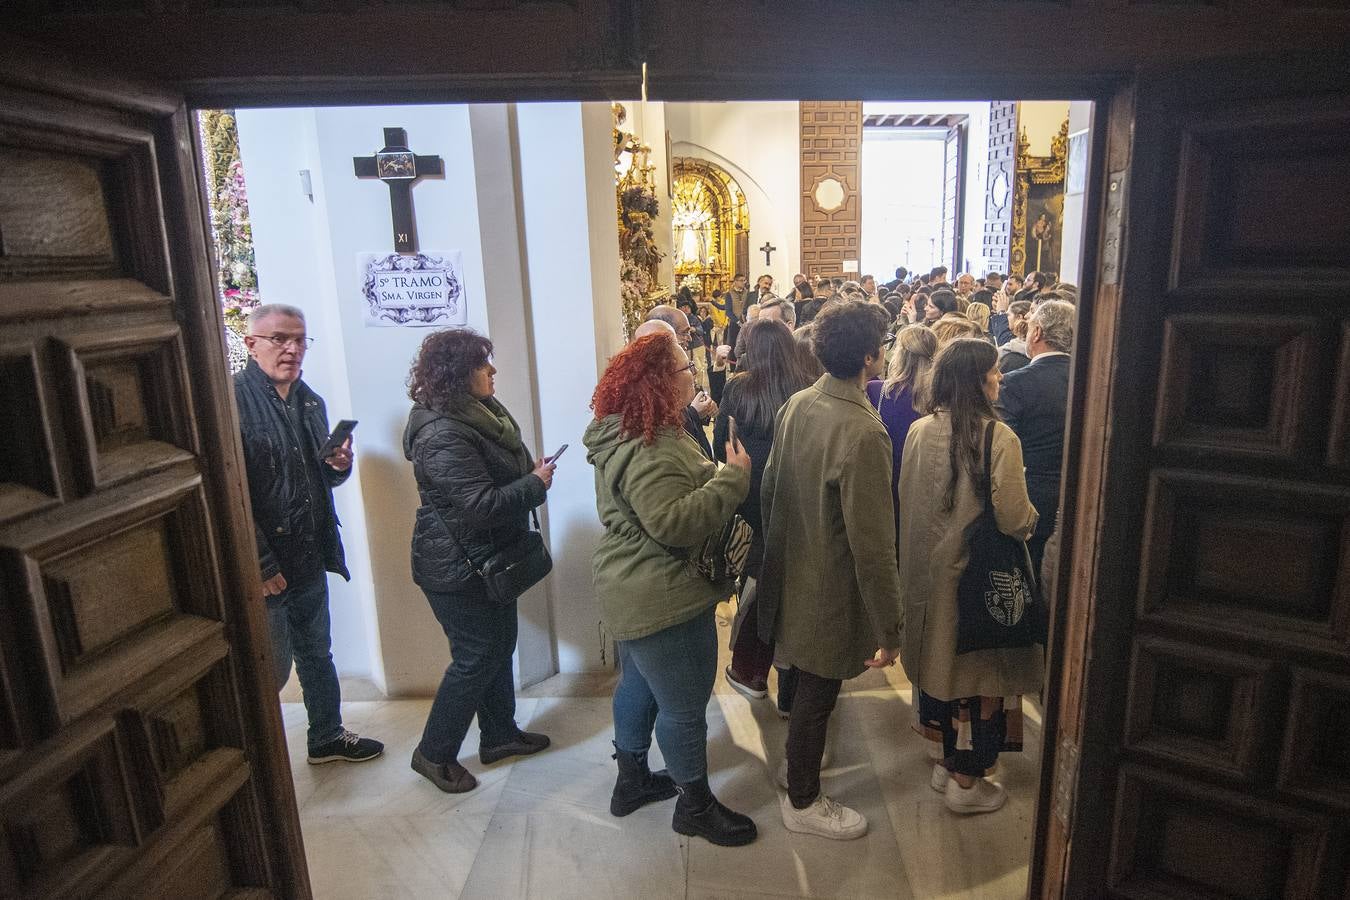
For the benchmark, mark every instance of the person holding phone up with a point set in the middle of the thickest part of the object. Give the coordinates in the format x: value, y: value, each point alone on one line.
x: 660, y: 499
x: 292, y: 470
x: 479, y: 488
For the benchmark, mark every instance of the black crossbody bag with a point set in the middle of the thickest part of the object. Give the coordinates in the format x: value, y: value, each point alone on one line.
x: 511, y: 570
x: 998, y: 602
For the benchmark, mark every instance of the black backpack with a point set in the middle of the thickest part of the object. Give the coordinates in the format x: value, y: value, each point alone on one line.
x: 999, y: 604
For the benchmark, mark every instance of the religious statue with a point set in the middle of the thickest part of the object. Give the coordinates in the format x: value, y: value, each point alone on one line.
x: 693, y: 219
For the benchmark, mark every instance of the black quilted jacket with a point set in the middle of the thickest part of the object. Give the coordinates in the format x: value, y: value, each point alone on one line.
x: 285, y: 528
x: 471, y: 488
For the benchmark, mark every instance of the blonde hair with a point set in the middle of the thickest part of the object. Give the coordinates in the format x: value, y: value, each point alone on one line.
x: 910, y: 363
x: 950, y: 327
x: 978, y: 313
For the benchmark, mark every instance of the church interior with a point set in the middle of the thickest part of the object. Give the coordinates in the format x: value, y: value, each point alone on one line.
x: 542, y: 172
x: 527, y: 204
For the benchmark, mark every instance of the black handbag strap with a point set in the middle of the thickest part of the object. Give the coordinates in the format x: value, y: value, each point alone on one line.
x: 464, y: 551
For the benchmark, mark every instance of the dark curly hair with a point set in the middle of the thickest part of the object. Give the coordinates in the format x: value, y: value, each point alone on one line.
x: 639, y: 384
x: 847, y: 332
x: 446, y: 361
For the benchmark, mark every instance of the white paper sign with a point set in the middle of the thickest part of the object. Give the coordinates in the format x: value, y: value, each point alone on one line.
x: 413, y: 290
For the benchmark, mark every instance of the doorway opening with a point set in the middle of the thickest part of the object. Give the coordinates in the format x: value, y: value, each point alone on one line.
x: 528, y: 214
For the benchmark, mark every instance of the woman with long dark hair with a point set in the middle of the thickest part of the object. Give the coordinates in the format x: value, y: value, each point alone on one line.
x: 772, y: 371
x: 970, y: 703
x: 659, y: 499
x: 478, y: 486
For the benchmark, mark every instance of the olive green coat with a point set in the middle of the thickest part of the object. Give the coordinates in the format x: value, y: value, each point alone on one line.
x: 829, y: 591
x: 933, y: 555
x: 680, y: 497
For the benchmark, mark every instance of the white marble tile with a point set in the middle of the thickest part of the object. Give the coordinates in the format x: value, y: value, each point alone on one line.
x: 359, y: 858
x: 577, y: 853
x: 539, y: 826
x: 387, y: 786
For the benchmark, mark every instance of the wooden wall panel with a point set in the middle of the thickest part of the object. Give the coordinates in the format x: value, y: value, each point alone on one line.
x: 126, y: 746
x: 831, y: 180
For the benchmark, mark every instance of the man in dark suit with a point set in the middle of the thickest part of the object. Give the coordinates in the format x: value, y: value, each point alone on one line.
x: 1033, y: 401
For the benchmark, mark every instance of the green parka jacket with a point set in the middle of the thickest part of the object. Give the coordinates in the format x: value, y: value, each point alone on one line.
x: 680, y: 498
x: 829, y: 588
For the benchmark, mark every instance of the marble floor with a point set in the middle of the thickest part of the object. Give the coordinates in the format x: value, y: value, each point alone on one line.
x: 540, y: 826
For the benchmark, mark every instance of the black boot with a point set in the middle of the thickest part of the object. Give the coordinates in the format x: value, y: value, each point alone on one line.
x: 638, y: 785
x: 698, y: 813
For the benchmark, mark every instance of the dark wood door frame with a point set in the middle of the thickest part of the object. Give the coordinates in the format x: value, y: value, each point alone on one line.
x: 1089, y: 610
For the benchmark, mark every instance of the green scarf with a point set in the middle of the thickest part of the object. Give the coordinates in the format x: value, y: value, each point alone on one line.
x: 490, y: 419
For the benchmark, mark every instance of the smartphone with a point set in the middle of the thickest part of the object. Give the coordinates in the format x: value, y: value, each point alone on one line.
x: 557, y: 453
x: 731, y: 431
x: 341, y: 432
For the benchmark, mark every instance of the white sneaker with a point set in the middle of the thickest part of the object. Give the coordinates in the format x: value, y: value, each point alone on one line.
x: 981, y: 797
x: 823, y: 818
x: 941, y: 776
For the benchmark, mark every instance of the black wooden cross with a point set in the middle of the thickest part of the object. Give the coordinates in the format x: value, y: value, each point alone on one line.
x: 766, y: 250
x: 399, y: 167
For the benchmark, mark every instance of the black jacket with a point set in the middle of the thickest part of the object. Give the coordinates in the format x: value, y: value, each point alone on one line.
x: 757, y: 441
x: 476, y: 498
x: 1033, y: 400
x: 293, y: 539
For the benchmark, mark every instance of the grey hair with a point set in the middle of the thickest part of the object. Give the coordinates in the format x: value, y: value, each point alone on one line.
x: 1055, y: 319
x: 273, y: 309
x: 789, y: 311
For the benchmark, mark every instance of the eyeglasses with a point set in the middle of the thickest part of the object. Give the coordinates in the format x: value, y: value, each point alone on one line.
x: 689, y: 367
x: 282, y: 341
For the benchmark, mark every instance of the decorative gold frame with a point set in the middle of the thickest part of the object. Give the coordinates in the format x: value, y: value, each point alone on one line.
x: 729, y: 198
x: 1033, y: 170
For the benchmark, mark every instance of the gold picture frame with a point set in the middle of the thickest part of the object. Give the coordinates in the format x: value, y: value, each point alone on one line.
x: 1039, y: 184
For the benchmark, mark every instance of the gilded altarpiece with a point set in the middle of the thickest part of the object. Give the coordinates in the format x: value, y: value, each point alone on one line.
x: 710, y: 222
x: 1038, y: 206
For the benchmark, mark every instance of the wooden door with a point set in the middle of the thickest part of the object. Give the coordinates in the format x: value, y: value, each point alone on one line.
x: 141, y: 747
x: 831, y: 199
x: 1201, y: 744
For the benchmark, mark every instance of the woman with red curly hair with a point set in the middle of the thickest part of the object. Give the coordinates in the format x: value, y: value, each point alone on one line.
x: 659, y: 498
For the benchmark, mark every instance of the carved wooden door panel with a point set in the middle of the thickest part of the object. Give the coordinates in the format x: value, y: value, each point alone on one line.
x: 141, y: 750
x: 1204, y: 722
x: 831, y: 156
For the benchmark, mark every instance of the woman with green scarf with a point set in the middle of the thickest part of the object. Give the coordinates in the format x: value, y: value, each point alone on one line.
x: 478, y: 486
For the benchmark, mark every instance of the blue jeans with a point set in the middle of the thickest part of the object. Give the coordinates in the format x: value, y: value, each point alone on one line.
x: 479, y: 680
x: 297, y: 619
x: 665, y: 682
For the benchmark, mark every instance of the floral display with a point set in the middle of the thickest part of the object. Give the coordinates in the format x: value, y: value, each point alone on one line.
x: 231, y: 233
x: 638, y: 256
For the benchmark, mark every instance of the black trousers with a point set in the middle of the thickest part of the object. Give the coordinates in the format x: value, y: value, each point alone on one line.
x: 812, y: 705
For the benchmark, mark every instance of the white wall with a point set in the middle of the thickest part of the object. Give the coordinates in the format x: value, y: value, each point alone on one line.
x: 294, y: 262
x: 567, y: 189
x: 518, y: 184
x: 758, y: 145
x: 1071, y: 255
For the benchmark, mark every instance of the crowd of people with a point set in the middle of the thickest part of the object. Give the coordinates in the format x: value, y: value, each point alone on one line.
x: 858, y: 431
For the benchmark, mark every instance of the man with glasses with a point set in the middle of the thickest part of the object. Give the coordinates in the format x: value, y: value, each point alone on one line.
x: 284, y: 426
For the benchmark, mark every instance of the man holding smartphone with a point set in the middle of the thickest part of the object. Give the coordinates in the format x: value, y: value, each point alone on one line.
x: 284, y: 426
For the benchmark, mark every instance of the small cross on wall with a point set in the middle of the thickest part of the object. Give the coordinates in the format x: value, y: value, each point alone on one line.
x: 766, y: 250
